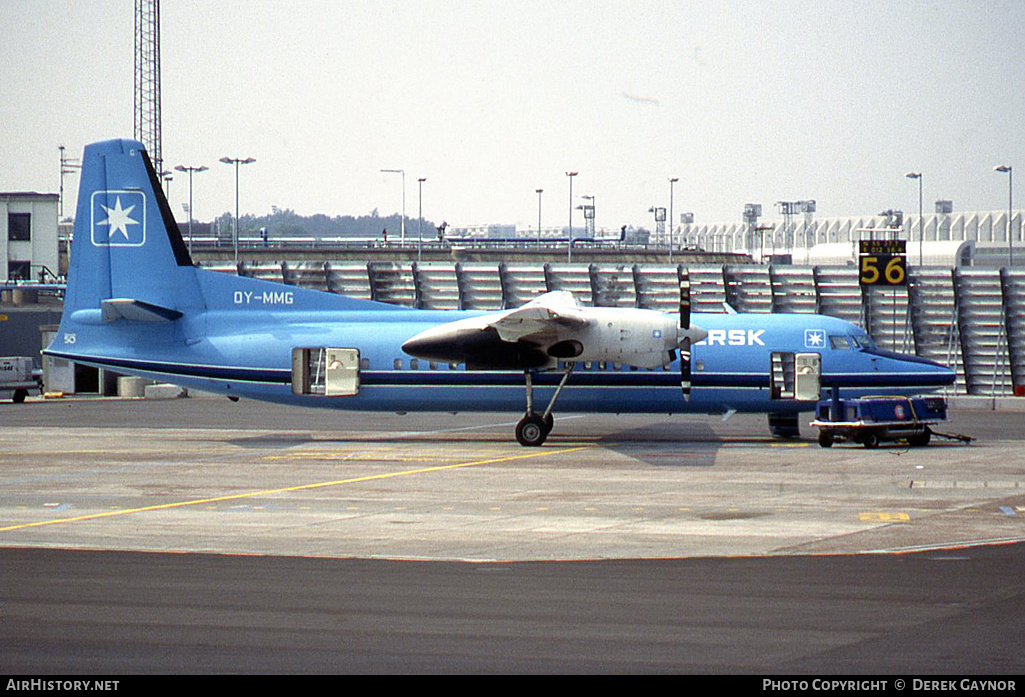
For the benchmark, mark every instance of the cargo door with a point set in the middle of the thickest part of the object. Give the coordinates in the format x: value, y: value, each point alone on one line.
x: 328, y: 372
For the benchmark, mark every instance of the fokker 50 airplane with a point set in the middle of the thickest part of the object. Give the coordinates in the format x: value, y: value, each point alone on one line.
x: 137, y: 305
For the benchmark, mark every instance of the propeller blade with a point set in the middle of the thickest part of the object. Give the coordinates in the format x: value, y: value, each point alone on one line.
x: 685, y: 368
x: 684, y: 327
x: 684, y: 299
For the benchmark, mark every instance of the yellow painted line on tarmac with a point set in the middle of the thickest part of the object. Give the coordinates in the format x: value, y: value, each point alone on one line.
x: 53, y: 451
x: 352, y: 457
x: 883, y: 517
x: 284, y: 490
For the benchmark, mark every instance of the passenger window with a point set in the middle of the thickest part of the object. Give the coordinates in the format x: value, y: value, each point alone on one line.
x: 398, y: 364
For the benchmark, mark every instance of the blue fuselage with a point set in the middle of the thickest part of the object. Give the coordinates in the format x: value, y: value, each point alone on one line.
x: 137, y: 305
x: 243, y: 348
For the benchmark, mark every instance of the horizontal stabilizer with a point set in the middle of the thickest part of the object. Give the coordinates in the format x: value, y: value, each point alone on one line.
x: 136, y: 310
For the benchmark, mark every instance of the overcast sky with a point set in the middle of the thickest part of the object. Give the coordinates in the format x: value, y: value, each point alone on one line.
x: 743, y: 101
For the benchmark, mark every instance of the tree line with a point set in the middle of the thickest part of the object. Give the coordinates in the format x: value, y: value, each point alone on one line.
x: 285, y: 222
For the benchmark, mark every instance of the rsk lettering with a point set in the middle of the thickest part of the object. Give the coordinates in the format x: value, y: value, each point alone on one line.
x: 734, y: 337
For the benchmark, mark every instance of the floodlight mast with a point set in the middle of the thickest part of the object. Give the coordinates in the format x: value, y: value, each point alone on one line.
x: 420, y: 220
x: 1009, y: 171
x: 538, y: 192
x: 147, y: 80
x: 569, y: 247
x: 921, y: 213
x: 191, y: 170
x: 672, y: 223
x: 236, y: 161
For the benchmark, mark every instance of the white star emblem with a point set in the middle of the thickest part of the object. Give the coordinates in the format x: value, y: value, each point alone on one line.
x: 118, y: 218
x: 814, y: 338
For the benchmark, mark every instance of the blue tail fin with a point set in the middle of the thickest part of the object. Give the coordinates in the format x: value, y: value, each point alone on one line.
x: 127, y: 245
x: 132, y: 288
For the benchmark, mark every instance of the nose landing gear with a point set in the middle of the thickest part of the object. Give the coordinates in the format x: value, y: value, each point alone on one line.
x: 533, y: 428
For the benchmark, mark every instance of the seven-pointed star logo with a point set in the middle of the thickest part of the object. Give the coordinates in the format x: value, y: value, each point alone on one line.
x: 118, y: 219
x: 814, y: 338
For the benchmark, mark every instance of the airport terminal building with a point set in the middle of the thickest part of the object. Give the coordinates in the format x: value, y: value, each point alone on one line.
x: 28, y: 231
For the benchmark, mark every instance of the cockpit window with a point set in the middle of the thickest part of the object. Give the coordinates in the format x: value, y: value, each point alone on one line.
x: 839, y: 342
x: 863, y: 341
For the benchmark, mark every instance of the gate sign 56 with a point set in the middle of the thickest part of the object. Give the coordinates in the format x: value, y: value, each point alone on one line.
x: 882, y: 262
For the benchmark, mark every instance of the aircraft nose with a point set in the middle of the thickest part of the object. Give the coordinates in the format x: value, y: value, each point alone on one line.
x: 932, y: 374
x: 911, y: 370
x: 944, y: 375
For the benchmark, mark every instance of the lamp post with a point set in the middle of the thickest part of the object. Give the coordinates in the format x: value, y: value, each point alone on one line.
x: 68, y: 166
x: 569, y: 247
x: 402, y: 223
x: 1010, y: 209
x: 672, y: 221
x: 237, y: 161
x: 420, y: 224
x: 921, y: 214
x: 167, y: 177
x: 538, y: 191
x: 191, y: 171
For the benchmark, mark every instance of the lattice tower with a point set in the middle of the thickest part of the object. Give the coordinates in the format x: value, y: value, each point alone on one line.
x: 147, y: 79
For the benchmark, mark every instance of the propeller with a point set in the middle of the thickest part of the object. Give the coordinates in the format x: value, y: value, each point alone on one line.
x: 684, y: 331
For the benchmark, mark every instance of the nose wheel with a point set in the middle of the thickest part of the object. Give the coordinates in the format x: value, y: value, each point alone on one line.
x: 533, y: 428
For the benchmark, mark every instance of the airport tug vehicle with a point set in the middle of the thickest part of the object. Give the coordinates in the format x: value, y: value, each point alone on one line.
x: 18, y: 378
x: 872, y: 420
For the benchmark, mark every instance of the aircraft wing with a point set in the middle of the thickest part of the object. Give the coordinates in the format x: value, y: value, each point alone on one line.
x: 545, y: 319
x: 554, y: 326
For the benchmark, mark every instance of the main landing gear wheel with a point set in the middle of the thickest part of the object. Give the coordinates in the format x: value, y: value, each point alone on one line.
x: 532, y: 430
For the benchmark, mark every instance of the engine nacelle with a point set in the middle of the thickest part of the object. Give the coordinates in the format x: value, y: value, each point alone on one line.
x: 642, y: 338
x: 545, y: 331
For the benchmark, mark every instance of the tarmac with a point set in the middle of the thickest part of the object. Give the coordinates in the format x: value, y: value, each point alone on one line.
x: 194, y: 536
x: 206, y: 475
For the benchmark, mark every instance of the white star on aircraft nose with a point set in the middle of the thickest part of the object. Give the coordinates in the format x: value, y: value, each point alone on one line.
x: 118, y: 218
